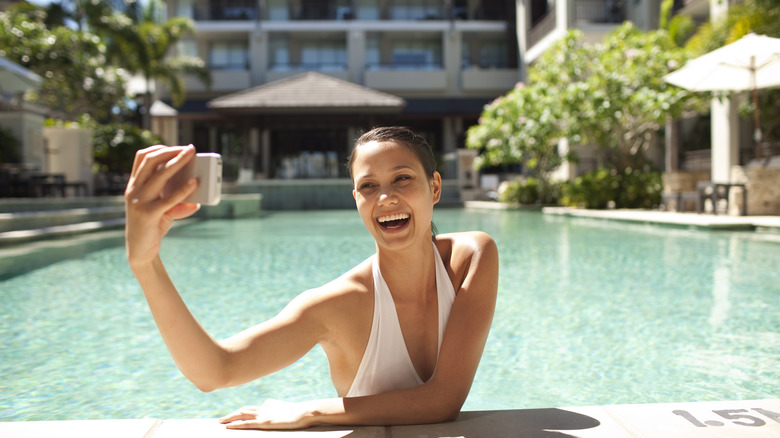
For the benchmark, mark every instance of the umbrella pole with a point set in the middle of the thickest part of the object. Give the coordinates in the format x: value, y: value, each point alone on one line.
x: 757, y: 121
x: 756, y: 111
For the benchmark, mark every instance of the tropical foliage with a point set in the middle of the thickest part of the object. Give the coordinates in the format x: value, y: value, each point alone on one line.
x: 609, y: 94
x: 85, y: 51
x: 609, y: 188
x: 144, y: 42
x: 77, y: 79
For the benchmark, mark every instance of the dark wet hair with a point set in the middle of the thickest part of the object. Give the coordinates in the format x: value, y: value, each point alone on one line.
x: 405, y: 137
x: 400, y: 135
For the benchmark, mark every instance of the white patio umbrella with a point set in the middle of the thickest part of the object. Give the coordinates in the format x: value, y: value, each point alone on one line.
x: 16, y: 79
x: 748, y: 64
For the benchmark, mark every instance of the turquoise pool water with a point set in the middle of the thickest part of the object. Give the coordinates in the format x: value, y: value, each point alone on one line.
x: 589, y: 312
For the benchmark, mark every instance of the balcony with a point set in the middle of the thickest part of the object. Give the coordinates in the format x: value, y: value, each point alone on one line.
x: 599, y: 11
x: 397, y: 10
x: 278, y: 70
x: 409, y: 12
x: 495, y: 79
x: 221, y: 80
x: 405, y: 77
x: 224, y: 10
x: 324, y: 11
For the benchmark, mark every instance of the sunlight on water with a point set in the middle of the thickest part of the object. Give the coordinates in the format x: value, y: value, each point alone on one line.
x: 589, y: 312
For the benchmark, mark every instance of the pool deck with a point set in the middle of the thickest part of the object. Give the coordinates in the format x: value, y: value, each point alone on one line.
x: 704, y: 221
x: 733, y: 419
x: 690, y: 220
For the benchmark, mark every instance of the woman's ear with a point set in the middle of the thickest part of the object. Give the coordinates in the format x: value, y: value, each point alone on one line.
x: 436, y: 186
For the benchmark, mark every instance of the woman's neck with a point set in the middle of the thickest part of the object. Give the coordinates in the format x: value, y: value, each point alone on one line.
x: 408, y: 271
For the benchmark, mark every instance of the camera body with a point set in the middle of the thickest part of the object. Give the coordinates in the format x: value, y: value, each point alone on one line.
x: 207, y: 168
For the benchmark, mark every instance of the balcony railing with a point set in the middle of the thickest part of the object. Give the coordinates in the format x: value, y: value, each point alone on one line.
x: 600, y: 11
x: 324, y: 11
x: 404, y: 66
x: 417, y: 13
x: 226, y: 10
x: 541, y: 29
x: 329, y: 10
x: 317, y: 66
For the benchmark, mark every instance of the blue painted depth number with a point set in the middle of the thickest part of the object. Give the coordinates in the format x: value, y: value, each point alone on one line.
x: 736, y: 416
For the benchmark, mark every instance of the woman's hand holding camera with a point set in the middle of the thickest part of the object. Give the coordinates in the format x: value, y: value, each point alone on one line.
x: 149, y: 215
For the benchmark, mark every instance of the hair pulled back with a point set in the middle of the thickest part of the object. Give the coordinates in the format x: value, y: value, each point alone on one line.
x: 402, y: 136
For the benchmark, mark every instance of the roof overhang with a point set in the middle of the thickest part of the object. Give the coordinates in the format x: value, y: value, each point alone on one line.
x: 308, y: 93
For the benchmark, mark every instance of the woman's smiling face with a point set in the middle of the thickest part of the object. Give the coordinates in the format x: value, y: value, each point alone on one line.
x: 394, y: 195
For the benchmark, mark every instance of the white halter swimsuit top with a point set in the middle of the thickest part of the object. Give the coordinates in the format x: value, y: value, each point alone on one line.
x: 386, y: 365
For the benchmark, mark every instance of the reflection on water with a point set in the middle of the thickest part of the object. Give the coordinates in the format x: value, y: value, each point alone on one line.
x: 721, y: 282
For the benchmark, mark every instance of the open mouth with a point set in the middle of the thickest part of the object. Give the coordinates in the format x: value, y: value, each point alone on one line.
x: 391, y: 221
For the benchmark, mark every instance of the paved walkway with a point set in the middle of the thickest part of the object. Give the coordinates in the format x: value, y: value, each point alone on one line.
x: 708, y: 221
x: 733, y: 419
x: 704, y: 221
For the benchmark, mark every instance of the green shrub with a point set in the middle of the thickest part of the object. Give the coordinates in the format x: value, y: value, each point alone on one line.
x: 521, y: 192
x: 633, y: 188
x: 531, y: 191
x: 115, y: 145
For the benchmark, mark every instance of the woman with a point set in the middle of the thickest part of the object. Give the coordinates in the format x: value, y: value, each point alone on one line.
x: 403, y: 331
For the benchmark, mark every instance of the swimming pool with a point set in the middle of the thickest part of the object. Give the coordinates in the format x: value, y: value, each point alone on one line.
x: 589, y: 312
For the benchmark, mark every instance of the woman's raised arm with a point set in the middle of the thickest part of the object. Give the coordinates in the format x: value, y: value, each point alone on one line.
x: 204, y: 361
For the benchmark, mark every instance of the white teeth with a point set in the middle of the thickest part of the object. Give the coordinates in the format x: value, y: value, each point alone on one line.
x: 393, y: 217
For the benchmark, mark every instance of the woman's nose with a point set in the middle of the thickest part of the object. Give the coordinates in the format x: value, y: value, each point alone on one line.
x: 387, y: 197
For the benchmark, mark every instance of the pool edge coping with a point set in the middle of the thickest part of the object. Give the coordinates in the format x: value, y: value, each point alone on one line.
x: 739, y: 418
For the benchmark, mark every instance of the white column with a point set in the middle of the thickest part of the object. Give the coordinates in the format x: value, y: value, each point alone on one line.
x: 724, y: 120
x: 356, y: 55
x: 672, y: 143
x: 567, y: 171
x: 725, y: 138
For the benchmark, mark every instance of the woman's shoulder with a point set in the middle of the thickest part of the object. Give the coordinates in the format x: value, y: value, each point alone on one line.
x: 466, y: 243
x: 465, y: 253
x: 351, y: 288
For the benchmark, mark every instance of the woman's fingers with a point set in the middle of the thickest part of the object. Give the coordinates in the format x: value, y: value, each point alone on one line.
x: 139, y: 156
x: 243, y: 414
x: 182, y: 210
x: 157, y: 167
x: 273, y: 414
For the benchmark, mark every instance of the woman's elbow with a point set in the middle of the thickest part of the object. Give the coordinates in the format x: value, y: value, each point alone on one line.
x: 448, y: 410
x: 205, y: 384
x: 450, y: 415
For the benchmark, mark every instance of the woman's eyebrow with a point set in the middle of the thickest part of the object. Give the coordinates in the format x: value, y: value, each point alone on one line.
x: 394, y: 169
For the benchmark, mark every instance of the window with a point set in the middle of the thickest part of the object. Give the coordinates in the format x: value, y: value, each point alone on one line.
x: 368, y: 10
x: 187, y: 48
x: 484, y: 53
x: 373, y: 58
x: 493, y: 54
x: 325, y: 55
x: 279, y: 54
x: 416, y: 10
x: 229, y: 55
x: 277, y: 10
x: 184, y: 8
x: 417, y: 55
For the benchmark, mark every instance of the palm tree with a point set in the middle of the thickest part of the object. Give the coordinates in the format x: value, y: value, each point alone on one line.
x: 144, y: 43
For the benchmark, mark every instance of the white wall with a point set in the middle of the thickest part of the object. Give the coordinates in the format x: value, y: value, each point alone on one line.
x: 69, y: 152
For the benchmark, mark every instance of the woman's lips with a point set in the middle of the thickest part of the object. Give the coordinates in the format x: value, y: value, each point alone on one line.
x: 395, y: 220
